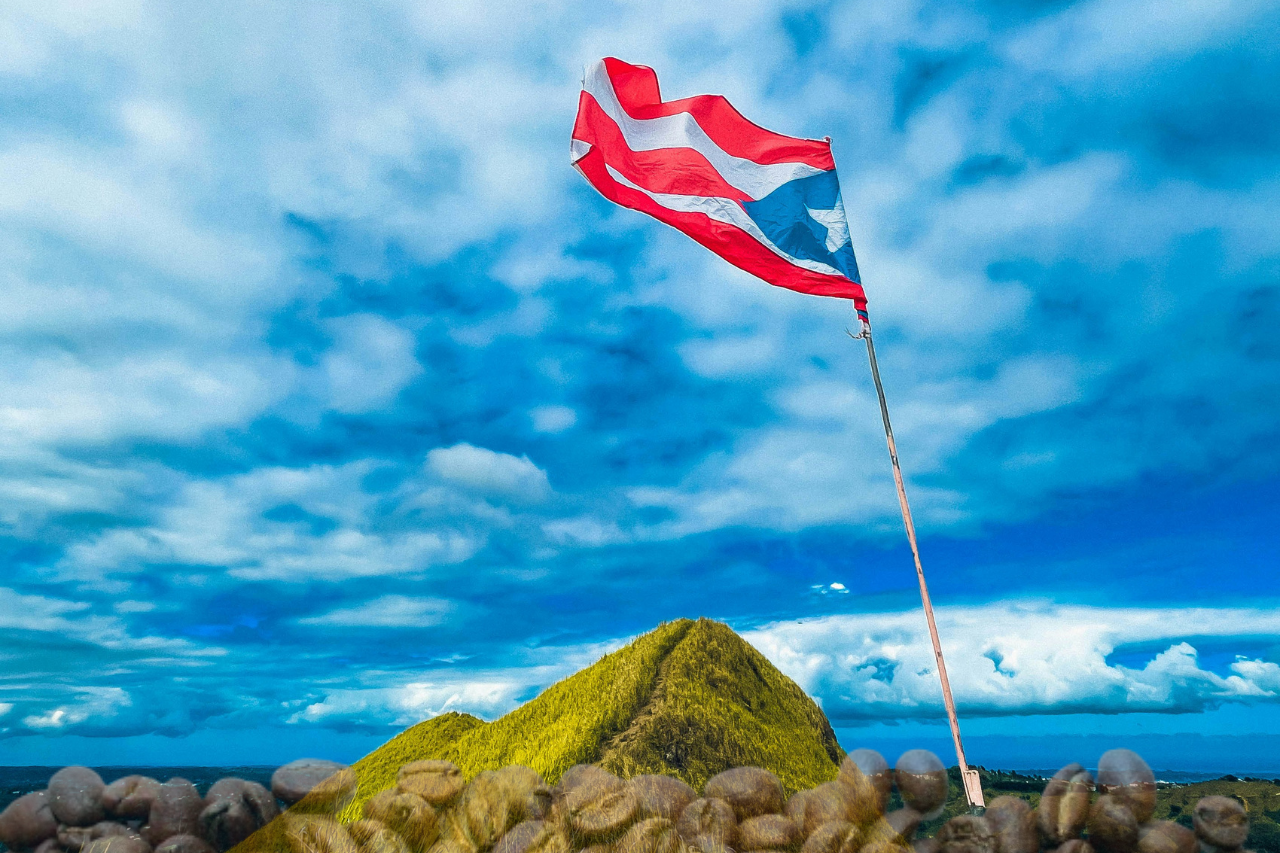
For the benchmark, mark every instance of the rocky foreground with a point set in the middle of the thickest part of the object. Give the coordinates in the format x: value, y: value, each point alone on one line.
x: 432, y: 808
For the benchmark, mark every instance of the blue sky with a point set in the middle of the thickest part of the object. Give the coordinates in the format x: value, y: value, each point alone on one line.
x: 332, y: 398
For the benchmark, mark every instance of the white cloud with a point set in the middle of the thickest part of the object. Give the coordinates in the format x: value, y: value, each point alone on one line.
x: 134, y: 606
x: 413, y: 702
x: 1018, y: 658
x: 552, y: 419
x: 76, y: 619
x: 1123, y: 36
x: 371, y: 361
x: 330, y: 527
x: 5, y: 707
x: 584, y: 530
x: 97, y: 704
x: 388, y: 611
x: 489, y: 472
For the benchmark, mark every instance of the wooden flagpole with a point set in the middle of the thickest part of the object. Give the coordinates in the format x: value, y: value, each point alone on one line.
x: 972, y: 784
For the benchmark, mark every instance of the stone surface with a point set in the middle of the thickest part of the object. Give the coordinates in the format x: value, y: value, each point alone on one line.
x: 75, y: 796
x: 130, y: 797
x: 184, y: 843
x: 1166, y: 836
x: 922, y: 781
x: 967, y: 834
x: 662, y: 796
x: 836, y: 836
x: 128, y: 843
x: 651, y: 835
x: 872, y: 765
x: 1014, y: 824
x: 817, y: 806
x: 174, y: 811
x: 1064, y: 805
x: 295, y: 780
x: 235, y: 809
x: 27, y: 821
x: 708, y: 822
x: 750, y: 791
x: 1122, y: 773
x: 1220, y: 822
x: 1112, y: 825
x: 520, y: 837
x: 411, y: 817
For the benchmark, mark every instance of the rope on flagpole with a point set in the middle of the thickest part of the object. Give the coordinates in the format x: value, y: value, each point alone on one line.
x: 972, y: 784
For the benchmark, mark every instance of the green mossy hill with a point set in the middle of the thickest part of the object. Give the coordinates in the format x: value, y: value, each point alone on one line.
x: 688, y: 699
x: 718, y: 703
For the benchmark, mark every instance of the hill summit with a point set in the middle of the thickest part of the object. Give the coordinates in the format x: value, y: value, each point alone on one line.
x: 689, y: 699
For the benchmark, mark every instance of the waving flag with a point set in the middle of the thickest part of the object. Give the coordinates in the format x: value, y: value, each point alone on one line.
x: 766, y: 203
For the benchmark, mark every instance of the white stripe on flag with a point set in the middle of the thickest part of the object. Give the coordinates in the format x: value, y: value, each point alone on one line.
x: 724, y: 210
x: 682, y: 131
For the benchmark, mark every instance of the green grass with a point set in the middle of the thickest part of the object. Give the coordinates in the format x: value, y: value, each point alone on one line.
x: 718, y: 704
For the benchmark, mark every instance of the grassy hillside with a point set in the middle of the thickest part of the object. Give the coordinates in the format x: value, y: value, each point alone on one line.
x: 688, y: 699
x: 718, y: 704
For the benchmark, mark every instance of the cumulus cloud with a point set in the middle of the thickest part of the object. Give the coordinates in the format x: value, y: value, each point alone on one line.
x: 1014, y: 658
x: 489, y: 472
x: 96, y: 704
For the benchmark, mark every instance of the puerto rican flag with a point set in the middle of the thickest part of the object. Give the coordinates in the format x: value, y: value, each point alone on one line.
x: 766, y: 203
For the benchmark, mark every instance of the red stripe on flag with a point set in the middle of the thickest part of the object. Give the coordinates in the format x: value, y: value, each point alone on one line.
x: 680, y: 171
x: 637, y: 90
x: 733, y: 244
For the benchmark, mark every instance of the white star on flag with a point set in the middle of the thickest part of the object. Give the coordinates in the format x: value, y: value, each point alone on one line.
x: 835, y: 223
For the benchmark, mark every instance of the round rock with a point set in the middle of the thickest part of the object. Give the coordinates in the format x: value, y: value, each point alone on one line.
x: 1166, y: 836
x: 184, y: 843
x: 28, y: 821
x: 126, y: 843
x: 75, y: 796
x: 1014, y: 824
x: 1220, y: 822
x: 175, y: 811
x: 750, y: 791
x: 234, y: 810
x: 662, y: 796
x: 708, y: 822
x: 519, y: 837
x: 651, y: 835
x: 1123, y: 773
x: 812, y: 808
x: 967, y: 834
x: 295, y: 780
x: 1112, y: 825
x: 922, y: 781
x: 871, y: 765
x: 130, y: 797
x: 768, y: 832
